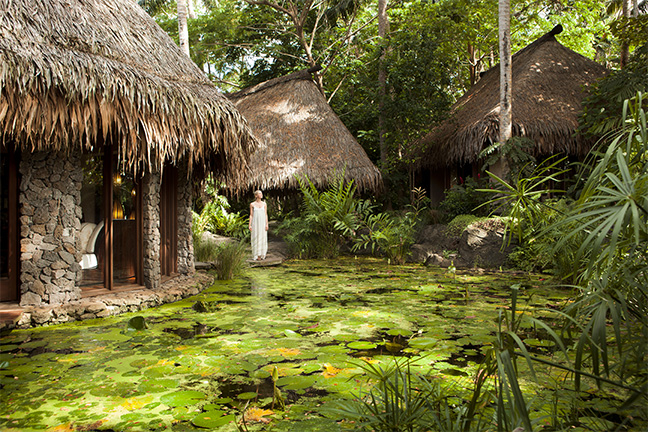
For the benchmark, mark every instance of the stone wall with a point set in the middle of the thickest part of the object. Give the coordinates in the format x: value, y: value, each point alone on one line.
x: 151, y: 221
x: 185, y: 238
x: 50, y: 193
x: 114, y: 303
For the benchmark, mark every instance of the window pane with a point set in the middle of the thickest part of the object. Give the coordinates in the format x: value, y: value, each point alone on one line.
x: 124, y: 227
x: 92, y: 223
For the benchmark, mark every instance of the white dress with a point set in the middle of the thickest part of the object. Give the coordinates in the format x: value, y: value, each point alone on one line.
x: 259, y: 233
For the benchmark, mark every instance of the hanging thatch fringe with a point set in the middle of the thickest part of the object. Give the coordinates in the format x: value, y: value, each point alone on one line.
x: 548, y: 88
x: 300, y: 134
x: 75, y: 74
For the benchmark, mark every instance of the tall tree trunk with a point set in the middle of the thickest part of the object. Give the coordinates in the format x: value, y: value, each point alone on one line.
x: 506, y: 81
x: 383, y: 30
x: 625, y: 48
x: 191, y: 10
x: 472, y: 64
x: 183, y: 30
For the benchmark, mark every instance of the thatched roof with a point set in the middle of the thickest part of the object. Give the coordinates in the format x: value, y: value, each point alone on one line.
x: 300, y: 134
x: 548, y: 82
x: 77, y: 73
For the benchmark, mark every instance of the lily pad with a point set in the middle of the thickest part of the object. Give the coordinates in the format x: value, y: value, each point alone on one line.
x: 423, y: 343
x: 247, y: 396
x: 137, y: 323
x: 362, y: 345
x: 157, y: 385
x: 212, y: 419
x: 291, y: 333
x: 399, y: 332
x: 182, y: 398
x: 296, y: 382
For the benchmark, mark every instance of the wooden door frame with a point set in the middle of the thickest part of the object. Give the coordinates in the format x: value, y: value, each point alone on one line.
x: 108, y: 246
x: 139, y: 247
x: 169, y: 221
x: 13, y: 258
x: 107, y: 216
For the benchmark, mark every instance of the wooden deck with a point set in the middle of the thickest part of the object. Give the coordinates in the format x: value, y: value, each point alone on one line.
x: 9, y: 311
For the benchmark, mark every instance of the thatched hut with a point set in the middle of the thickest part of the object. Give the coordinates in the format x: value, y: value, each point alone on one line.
x: 103, y: 123
x: 300, y: 134
x: 549, y: 83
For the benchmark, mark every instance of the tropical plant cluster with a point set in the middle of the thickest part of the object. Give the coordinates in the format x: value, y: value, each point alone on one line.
x: 216, y: 216
x: 464, y: 198
x: 326, y: 219
x: 599, y: 242
x: 596, y: 377
x: 335, y: 220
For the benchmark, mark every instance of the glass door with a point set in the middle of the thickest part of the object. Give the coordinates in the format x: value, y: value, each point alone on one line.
x: 111, y: 230
x: 126, y: 232
x: 92, y: 237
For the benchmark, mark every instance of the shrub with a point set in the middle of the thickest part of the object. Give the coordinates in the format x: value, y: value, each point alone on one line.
x: 536, y: 250
x: 464, y: 199
x: 216, y: 218
x: 328, y: 218
x: 404, y: 399
x: 304, y: 242
x: 517, y: 153
x: 393, y: 235
x: 457, y: 225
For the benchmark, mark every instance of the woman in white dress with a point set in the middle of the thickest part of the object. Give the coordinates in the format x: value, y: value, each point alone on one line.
x: 259, y: 226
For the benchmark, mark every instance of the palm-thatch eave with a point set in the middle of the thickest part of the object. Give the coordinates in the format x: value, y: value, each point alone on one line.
x: 548, y: 87
x: 299, y: 134
x: 76, y: 74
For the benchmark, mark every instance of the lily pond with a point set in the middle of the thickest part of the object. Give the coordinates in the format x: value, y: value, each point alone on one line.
x: 200, y: 362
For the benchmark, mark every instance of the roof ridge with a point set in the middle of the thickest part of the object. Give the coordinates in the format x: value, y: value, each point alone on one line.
x: 550, y: 35
x: 304, y: 74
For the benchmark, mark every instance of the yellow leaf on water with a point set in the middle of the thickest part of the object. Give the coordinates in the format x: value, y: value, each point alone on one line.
x: 254, y: 414
x: 67, y: 427
x: 136, y: 403
x: 361, y: 313
x: 330, y: 371
x: 286, y: 352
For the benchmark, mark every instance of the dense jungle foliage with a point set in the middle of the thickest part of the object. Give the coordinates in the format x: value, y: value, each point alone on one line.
x: 583, y: 225
x: 431, y: 53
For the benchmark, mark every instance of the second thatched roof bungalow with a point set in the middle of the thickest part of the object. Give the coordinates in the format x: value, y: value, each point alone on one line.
x: 300, y: 134
x: 549, y: 84
x: 103, y: 124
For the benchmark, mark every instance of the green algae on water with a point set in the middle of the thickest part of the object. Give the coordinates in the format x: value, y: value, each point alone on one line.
x: 196, y: 364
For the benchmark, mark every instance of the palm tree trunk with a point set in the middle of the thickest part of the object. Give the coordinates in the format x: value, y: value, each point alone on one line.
x: 383, y: 29
x: 183, y: 30
x: 625, y: 48
x: 506, y: 82
x: 191, y: 12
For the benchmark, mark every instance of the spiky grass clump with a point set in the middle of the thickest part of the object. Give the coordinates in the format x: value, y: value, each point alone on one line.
x: 205, y: 250
x: 230, y: 260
